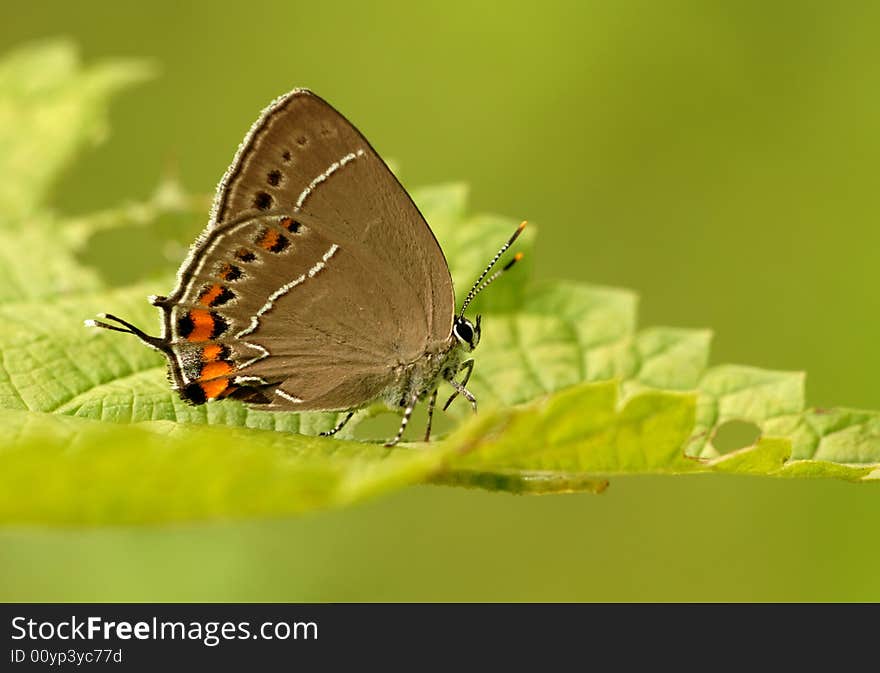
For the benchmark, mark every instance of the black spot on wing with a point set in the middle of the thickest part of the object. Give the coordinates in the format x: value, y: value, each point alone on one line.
x: 263, y: 201
x: 220, y: 326
x: 194, y: 393
x: 185, y: 325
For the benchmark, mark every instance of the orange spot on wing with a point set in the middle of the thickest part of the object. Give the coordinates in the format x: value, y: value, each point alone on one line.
x: 203, y: 325
x: 211, y: 353
x: 290, y: 224
x: 230, y: 272
x: 269, y: 239
x: 214, y: 388
x: 213, y: 379
x: 210, y: 295
x: 213, y: 370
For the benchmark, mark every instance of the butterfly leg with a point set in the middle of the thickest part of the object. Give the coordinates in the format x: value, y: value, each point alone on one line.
x: 339, y: 425
x: 406, y: 414
x: 431, y: 404
x: 469, y: 365
x: 464, y: 392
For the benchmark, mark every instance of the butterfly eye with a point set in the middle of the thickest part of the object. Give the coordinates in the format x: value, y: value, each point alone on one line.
x: 464, y: 332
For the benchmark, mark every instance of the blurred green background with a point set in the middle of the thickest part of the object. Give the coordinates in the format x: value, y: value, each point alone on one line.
x: 719, y: 158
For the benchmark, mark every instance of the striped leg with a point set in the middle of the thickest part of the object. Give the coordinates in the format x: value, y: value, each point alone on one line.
x: 339, y: 425
x: 406, y: 414
x: 431, y: 405
x: 464, y: 392
x: 469, y: 365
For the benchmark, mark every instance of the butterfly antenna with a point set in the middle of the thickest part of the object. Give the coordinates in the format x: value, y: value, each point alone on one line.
x: 518, y: 256
x: 479, y: 285
x: 127, y: 328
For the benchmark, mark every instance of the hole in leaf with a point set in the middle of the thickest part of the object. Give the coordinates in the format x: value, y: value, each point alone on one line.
x: 734, y: 435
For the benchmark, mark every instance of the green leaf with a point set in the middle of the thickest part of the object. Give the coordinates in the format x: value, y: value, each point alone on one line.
x: 589, y: 431
x: 57, y: 273
x: 571, y: 392
x: 50, y: 108
x: 61, y: 470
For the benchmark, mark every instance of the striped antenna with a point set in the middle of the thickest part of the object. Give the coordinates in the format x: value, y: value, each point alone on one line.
x: 479, y: 285
x: 518, y: 256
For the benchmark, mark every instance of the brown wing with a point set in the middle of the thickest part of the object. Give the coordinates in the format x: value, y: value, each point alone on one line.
x: 316, y: 277
x: 301, y: 154
x: 269, y: 299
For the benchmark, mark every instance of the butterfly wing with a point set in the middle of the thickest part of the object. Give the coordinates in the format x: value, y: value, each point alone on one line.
x: 303, y: 155
x: 317, y: 276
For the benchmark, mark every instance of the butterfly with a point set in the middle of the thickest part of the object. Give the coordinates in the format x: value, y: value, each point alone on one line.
x: 317, y: 284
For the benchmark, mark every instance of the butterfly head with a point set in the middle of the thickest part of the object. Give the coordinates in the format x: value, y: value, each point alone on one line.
x: 467, y: 333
